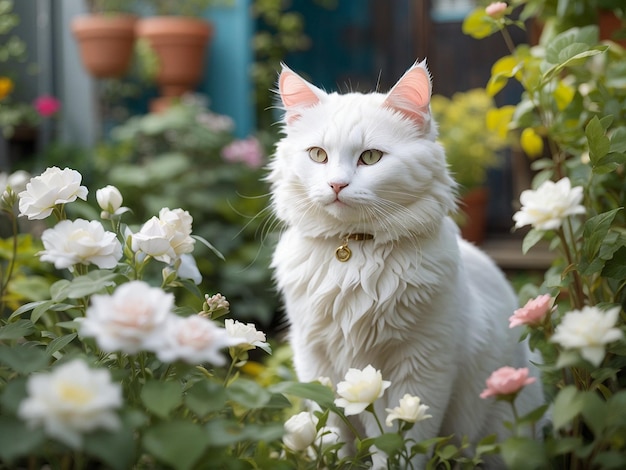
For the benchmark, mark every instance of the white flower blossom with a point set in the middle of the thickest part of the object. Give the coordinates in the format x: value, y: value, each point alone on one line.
x: 131, y: 320
x: 360, y: 389
x: 70, y: 401
x: 166, y: 237
x: 80, y: 242
x: 16, y: 181
x: 588, y: 330
x: 110, y: 201
x: 547, y: 207
x: 300, y: 431
x: 247, y: 332
x: 410, y: 410
x: 54, y: 186
x: 195, y: 340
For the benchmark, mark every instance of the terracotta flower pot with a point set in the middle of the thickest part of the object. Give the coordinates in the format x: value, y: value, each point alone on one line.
x: 474, y: 207
x: 180, y: 45
x: 105, y: 42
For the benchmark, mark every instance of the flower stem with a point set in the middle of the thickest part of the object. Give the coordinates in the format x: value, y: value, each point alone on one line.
x: 578, y: 294
x: 508, y: 40
x: 4, y: 282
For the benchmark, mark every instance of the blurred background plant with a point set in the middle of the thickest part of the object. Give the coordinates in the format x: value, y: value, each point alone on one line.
x: 16, y: 114
x: 471, y: 144
x: 188, y: 156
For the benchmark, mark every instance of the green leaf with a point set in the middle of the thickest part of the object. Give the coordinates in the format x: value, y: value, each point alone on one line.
x: 17, y: 330
x: 595, y: 230
x: 479, y: 25
x: 30, y: 306
x: 320, y: 394
x: 23, y: 359
x: 248, y: 393
x: 523, y: 454
x: 101, y: 443
x: 177, y: 443
x: 92, y: 283
x: 615, y: 268
x: 389, y: 443
x: 567, y: 405
x: 161, y: 398
x: 18, y: 440
x: 599, y: 143
x: 59, y: 343
x: 533, y: 237
x: 594, y: 411
x: 618, y: 140
x: 205, y: 397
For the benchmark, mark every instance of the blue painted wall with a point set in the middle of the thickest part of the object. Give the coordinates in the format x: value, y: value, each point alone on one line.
x: 227, y: 79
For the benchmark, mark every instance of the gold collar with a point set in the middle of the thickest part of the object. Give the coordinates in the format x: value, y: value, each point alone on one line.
x: 343, y: 253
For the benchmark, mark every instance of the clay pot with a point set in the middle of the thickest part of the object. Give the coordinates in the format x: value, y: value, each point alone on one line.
x: 474, y: 207
x: 105, y: 43
x: 180, y: 44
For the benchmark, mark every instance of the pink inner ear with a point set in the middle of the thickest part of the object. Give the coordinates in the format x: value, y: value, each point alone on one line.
x: 411, y: 95
x: 294, y: 91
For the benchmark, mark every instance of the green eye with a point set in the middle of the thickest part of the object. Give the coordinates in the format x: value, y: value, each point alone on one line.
x: 318, y: 155
x: 369, y: 157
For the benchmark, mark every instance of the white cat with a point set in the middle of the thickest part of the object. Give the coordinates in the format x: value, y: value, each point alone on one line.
x: 371, y: 267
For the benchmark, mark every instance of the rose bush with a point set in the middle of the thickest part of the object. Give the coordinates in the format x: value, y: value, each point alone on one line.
x: 571, y: 124
x: 107, y: 370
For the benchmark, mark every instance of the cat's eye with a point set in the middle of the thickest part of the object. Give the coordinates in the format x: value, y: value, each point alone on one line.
x: 318, y: 155
x: 371, y: 156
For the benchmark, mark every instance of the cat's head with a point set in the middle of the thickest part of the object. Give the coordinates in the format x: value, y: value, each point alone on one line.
x: 360, y: 163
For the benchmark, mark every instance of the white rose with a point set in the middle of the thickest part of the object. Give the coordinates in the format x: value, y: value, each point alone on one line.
x: 300, y: 431
x: 547, y: 207
x: 16, y: 181
x: 177, y: 224
x: 71, y: 400
x: 153, y: 240
x: 54, y: 186
x: 410, y: 410
x: 360, y: 389
x: 248, y: 334
x: 109, y: 199
x: 588, y: 330
x: 167, y: 237
x: 133, y: 319
x: 195, y: 340
x: 80, y: 242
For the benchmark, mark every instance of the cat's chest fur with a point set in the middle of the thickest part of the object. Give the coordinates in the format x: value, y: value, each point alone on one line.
x: 382, y: 297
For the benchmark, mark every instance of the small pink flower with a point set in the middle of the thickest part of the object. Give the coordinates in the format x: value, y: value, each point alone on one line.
x: 506, y: 381
x: 47, y: 105
x: 247, y: 151
x: 496, y: 10
x: 532, y: 313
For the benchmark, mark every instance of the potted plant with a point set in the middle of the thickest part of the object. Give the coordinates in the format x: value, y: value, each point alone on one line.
x: 179, y: 38
x: 106, y: 37
x: 471, y: 148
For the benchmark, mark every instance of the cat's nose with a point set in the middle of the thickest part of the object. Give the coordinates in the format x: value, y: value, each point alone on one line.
x: 338, y: 186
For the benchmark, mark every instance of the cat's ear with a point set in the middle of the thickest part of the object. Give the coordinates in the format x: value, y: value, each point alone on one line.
x: 411, y: 95
x: 296, y: 93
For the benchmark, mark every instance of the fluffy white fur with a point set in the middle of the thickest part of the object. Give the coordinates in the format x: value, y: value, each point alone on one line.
x: 417, y: 302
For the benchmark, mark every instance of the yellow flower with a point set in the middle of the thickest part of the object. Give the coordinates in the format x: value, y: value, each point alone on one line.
x: 6, y: 86
x: 531, y: 143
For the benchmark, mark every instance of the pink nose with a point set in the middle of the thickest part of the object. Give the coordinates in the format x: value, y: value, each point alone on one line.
x: 338, y: 186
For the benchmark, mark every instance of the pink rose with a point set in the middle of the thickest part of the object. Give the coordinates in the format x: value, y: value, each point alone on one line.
x: 532, y: 313
x: 496, y: 10
x: 247, y: 151
x: 47, y: 105
x: 506, y: 381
